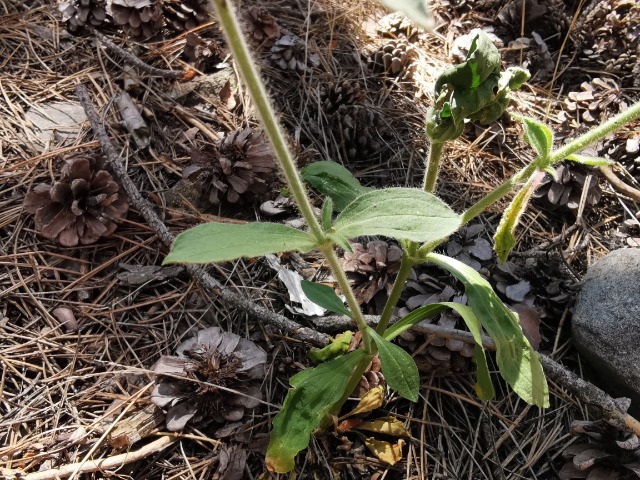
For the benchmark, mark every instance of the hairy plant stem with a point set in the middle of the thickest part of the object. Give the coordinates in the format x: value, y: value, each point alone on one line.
x: 433, y: 166
x: 398, y: 286
x: 246, y: 65
x: 556, y: 156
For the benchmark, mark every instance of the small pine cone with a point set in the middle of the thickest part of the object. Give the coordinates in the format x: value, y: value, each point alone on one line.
x: 625, y: 151
x: 290, y: 53
x: 393, y: 59
x: 203, y: 52
x: 81, y: 207
x: 596, y: 102
x: 604, y: 453
x: 182, y: 15
x: 438, y: 354
x: 242, y: 167
x: 262, y: 25
x: 138, y: 18
x: 347, y: 92
x: 78, y: 13
x: 567, y: 190
x: 371, y: 378
x: 396, y: 25
x: 371, y: 268
x: 355, y: 130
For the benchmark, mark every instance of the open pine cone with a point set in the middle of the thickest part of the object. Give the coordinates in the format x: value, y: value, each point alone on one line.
x: 371, y: 267
x: 393, y: 59
x: 205, y: 53
x: 346, y: 92
x: 567, y: 190
x: 290, y: 53
x: 606, y: 454
x: 262, y: 25
x: 78, y: 13
x: 81, y: 207
x: 597, y: 101
x: 181, y: 15
x: 221, y: 359
x: 355, y: 130
x: 241, y: 168
x: 138, y: 18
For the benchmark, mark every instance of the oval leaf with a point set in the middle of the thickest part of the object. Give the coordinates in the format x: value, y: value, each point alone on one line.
x: 324, y: 296
x: 519, y: 364
x: 314, y: 396
x: 399, y: 369
x: 334, y: 181
x: 400, y: 213
x: 417, y: 10
x: 590, y: 161
x: 219, y: 242
x: 537, y: 134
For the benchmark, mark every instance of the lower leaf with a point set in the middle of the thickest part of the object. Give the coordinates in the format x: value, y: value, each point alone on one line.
x: 315, y: 394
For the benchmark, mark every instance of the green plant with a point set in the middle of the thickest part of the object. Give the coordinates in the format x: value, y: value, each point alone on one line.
x: 475, y: 90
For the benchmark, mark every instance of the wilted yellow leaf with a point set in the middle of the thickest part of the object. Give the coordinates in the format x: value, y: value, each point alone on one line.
x: 372, y: 400
x: 388, y: 425
x: 385, y: 451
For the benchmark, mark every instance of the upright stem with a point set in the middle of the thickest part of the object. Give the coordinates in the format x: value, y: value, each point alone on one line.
x: 396, y: 291
x: 433, y: 166
x: 247, y: 68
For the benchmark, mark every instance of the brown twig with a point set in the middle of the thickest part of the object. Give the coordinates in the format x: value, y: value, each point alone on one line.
x: 619, y: 185
x: 135, y: 61
x: 108, y: 463
x: 206, y: 280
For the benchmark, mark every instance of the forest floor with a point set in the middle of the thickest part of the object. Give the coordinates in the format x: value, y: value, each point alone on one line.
x: 81, y: 326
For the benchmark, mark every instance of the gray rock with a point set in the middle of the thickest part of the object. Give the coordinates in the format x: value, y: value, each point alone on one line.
x: 606, y: 321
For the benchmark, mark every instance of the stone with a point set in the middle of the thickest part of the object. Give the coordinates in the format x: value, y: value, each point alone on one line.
x: 606, y: 322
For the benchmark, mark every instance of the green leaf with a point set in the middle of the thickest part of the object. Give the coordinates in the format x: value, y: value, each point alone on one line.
x: 316, y: 393
x: 483, y: 60
x: 337, y: 348
x: 504, y: 238
x: 413, y: 318
x: 519, y: 364
x: 324, y: 296
x: 591, y: 161
x: 327, y: 212
x: 400, y: 213
x: 333, y: 180
x: 537, y: 134
x: 417, y: 10
x: 484, y: 387
x: 219, y: 242
x: 399, y: 369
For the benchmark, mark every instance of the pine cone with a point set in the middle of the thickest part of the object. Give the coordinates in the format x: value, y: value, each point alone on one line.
x: 608, y: 36
x: 347, y: 92
x: 596, y: 102
x: 396, y: 25
x: 567, y: 190
x: 182, y: 15
x: 138, y: 18
x: 393, y: 59
x: 371, y: 268
x: 78, y: 13
x: 262, y: 25
x: 355, y: 130
x: 242, y: 167
x: 205, y: 53
x: 612, y: 454
x: 80, y: 208
x: 290, y: 53
x: 219, y: 358
x: 625, y: 151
